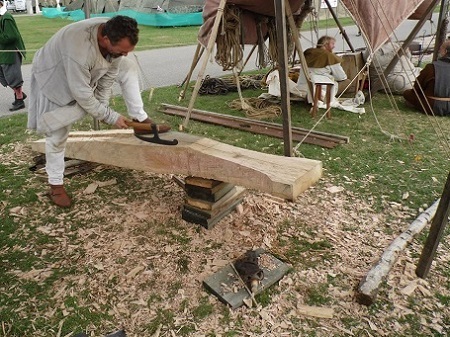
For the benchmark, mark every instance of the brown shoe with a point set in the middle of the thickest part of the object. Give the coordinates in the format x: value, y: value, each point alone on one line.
x: 59, y: 196
x: 147, y: 126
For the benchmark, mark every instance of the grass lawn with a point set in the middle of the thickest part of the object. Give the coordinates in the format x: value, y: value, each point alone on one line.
x: 122, y: 257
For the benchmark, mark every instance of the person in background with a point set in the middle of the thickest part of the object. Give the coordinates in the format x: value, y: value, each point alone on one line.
x: 72, y: 76
x: 12, y: 52
x: 322, y: 62
x: 431, y: 90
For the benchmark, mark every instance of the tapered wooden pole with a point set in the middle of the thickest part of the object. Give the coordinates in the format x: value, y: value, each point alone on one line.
x: 280, y: 18
x: 197, y: 56
x: 341, y: 29
x: 441, y: 28
x: 437, y: 228
x: 209, y: 47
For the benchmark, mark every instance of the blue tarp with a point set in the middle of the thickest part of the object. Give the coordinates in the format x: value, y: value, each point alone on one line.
x: 165, y: 19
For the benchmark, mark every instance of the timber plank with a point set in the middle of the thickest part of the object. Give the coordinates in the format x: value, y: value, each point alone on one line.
x: 285, y: 177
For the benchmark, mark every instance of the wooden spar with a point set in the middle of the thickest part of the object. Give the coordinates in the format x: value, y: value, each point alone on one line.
x: 280, y: 18
x: 285, y: 177
x: 197, y: 56
x: 307, y: 136
x: 341, y: 29
x: 369, y: 285
x: 440, y: 33
x: 298, y: 46
x: 436, y: 232
x: 209, y: 47
x: 87, y: 9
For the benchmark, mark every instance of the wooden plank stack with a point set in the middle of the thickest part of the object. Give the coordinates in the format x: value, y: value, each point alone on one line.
x: 208, y: 200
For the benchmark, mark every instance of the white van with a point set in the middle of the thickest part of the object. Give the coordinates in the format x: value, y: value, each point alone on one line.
x: 10, y: 6
x: 21, y: 5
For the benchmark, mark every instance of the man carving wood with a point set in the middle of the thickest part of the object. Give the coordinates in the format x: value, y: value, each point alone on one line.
x: 71, y: 77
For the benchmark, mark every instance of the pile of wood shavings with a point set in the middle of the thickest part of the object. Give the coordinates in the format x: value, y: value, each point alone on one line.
x: 133, y: 257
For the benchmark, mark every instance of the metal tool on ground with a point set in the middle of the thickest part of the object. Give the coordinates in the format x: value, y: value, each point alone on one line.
x: 229, y: 287
x: 249, y: 270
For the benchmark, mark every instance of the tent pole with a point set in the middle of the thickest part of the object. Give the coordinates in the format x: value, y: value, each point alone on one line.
x: 248, y: 58
x: 280, y: 18
x: 211, y: 42
x: 440, y: 35
x: 197, y: 56
x: 436, y: 232
x: 341, y: 29
x: 298, y: 46
x: 87, y: 15
x: 87, y: 9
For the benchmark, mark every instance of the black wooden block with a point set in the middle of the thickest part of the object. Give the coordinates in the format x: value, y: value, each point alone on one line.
x: 209, y: 194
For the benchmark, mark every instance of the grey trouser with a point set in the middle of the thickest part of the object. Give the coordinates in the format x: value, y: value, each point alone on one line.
x: 11, y: 74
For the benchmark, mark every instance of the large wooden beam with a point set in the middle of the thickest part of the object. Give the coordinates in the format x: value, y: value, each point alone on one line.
x: 285, y: 177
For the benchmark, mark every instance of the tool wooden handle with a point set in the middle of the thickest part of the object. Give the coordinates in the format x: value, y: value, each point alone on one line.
x: 140, y: 126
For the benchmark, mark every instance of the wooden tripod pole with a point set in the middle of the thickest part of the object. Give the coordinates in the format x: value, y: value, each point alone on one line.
x: 436, y: 233
x: 198, y: 54
x: 87, y: 15
x: 280, y: 18
x: 341, y: 29
x: 209, y: 47
x: 441, y: 28
x: 248, y: 58
x: 298, y: 46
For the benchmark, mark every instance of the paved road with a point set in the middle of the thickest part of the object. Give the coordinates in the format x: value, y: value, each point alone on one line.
x: 169, y: 66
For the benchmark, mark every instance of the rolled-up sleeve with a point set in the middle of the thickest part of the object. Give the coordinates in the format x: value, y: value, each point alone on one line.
x: 338, y: 72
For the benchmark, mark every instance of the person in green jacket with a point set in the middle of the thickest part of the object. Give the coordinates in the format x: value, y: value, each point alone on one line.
x: 12, y: 51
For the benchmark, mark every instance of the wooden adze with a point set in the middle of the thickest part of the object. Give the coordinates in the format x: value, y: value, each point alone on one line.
x: 285, y: 177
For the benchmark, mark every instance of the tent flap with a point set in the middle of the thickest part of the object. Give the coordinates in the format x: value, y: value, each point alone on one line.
x: 379, y: 18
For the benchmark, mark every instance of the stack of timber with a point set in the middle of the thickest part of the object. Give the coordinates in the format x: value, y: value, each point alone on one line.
x: 284, y: 177
x: 208, y: 200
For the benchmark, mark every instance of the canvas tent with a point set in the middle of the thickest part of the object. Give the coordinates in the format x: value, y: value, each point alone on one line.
x: 160, y: 13
x: 253, y: 22
x: 97, y: 7
x: 377, y: 19
x: 155, y: 6
x: 142, y: 6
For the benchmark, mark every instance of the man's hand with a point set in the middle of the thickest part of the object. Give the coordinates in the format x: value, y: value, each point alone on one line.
x: 122, y: 123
